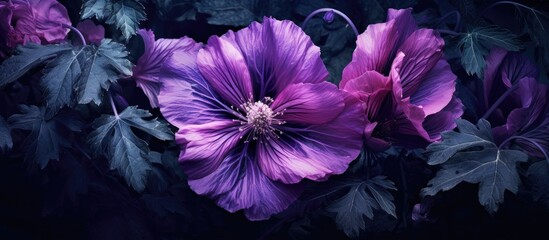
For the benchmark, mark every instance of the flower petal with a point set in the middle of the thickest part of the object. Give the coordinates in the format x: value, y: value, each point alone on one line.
x: 308, y: 103
x: 436, y: 89
x: 279, y: 53
x: 315, y: 152
x: 223, y: 66
x: 146, y: 72
x: 239, y: 184
x: 422, y: 50
x: 206, y: 145
x: 185, y: 96
x: 92, y: 33
x: 443, y: 120
x: 49, y: 18
x: 376, y: 46
x: 371, y: 88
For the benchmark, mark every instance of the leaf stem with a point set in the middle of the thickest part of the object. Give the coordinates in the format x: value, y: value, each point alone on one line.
x: 321, y: 10
x: 82, y: 39
x: 499, y: 101
x: 113, y: 106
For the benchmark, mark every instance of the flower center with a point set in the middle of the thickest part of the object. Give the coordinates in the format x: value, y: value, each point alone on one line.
x: 259, y: 116
x: 260, y: 119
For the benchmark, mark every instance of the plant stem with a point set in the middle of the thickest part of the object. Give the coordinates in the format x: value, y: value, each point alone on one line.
x: 82, y: 39
x: 458, y: 19
x: 529, y: 140
x: 499, y: 101
x: 113, y: 106
x: 321, y: 10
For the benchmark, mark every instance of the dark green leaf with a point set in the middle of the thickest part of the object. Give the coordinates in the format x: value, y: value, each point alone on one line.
x: 484, y: 163
x: 60, y: 75
x: 467, y: 137
x: 362, y: 199
x: 5, y: 135
x: 82, y: 73
x: 126, y: 15
x: 126, y: 152
x: 178, y: 10
x: 102, y: 66
x: 45, y: 139
x: 99, y: 9
x: 475, y: 45
x: 242, y: 12
x: 26, y: 58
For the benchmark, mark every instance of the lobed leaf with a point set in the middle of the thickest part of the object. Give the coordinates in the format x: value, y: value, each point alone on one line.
x: 493, y: 168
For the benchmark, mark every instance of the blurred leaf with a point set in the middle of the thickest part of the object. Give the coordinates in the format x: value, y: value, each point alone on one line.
x: 242, y: 12
x: 26, y: 58
x: 475, y: 45
x: 538, y: 179
x: 46, y: 137
x: 126, y: 15
x: 361, y: 200
x: 481, y: 162
x: 165, y: 204
x: 178, y: 10
x: 5, y: 135
x: 127, y: 153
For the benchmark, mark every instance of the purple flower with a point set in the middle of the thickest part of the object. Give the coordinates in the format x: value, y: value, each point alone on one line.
x: 92, y: 33
x: 256, y: 116
x: 399, y: 72
x: 146, y: 71
x: 38, y: 21
x: 521, y: 106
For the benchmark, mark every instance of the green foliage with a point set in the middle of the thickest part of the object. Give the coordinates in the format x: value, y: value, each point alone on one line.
x: 47, y: 136
x: 361, y: 200
x: 178, y: 10
x: 26, y: 58
x: 127, y: 153
x: 72, y: 74
x: 124, y: 14
x: 242, y: 12
x: 476, y: 44
x: 471, y: 156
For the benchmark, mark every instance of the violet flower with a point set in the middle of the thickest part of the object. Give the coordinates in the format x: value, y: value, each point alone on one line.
x: 256, y: 117
x: 514, y: 102
x: 38, y: 21
x: 146, y: 71
x: 399, y: 72
x: 92, y: 33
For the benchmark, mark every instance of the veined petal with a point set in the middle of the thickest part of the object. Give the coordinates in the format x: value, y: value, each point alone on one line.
x: 436, y: 89
x: 223, y: 66
x: 239, y: 184
x: 378, y: 44
x: 185, y: 96
x: 315, y: 152
x: 443, y: 120
x: 371, y: 88
x: 206, y: 145
x: 422, y: 50
x: 308, y: 103
x: 146, y: 72
x: 278, y: 54
x: 49, y: 18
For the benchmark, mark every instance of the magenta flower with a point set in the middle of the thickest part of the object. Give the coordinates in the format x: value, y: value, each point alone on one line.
x: 92, y: 33
x: 38, y: 21
x: 256, y: 116
x: 519, y: 101
x: 146, y: 71
x: 399, y: 72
